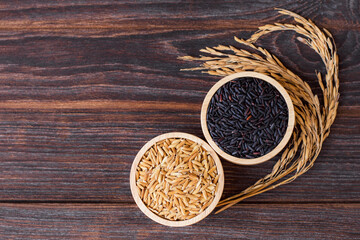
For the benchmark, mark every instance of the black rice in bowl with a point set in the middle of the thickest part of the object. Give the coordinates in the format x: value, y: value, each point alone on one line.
x: 247, y: 117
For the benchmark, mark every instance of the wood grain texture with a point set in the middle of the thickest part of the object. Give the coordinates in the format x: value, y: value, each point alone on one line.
x: 84, y: 156
x: 85, y: 84
x: 248, y: 221
x: 75, y: 110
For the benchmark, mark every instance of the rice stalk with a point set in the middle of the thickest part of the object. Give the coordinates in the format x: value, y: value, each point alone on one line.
x: 312, y: 121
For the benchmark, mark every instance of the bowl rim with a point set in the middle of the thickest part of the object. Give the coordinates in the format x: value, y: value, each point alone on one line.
x: 288, y: 132
x: 152, y: 215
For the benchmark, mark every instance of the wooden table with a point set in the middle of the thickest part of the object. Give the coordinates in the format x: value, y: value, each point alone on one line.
x: 84, y: 84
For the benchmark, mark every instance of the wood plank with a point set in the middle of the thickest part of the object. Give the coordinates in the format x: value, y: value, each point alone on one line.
x: 246, y: 221
x: 162, y: 17
x: 87, y: 157
x: 80, y: 95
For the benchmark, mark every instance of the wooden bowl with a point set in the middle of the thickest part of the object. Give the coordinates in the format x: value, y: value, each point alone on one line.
x: 152, y: 215
x: 278, y: 148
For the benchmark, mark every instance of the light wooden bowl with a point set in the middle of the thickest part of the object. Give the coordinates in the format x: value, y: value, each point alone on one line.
x: 152, y: 215
x: 278, y: 148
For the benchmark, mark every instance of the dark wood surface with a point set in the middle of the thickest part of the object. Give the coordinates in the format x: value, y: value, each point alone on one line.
x: 84, y: 84
x: 248, y: 221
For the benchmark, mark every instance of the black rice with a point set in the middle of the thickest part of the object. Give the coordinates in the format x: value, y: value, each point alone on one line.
x: 247, y: 117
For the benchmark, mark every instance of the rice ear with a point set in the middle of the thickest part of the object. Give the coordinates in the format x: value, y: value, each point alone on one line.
x: 313, y: 121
